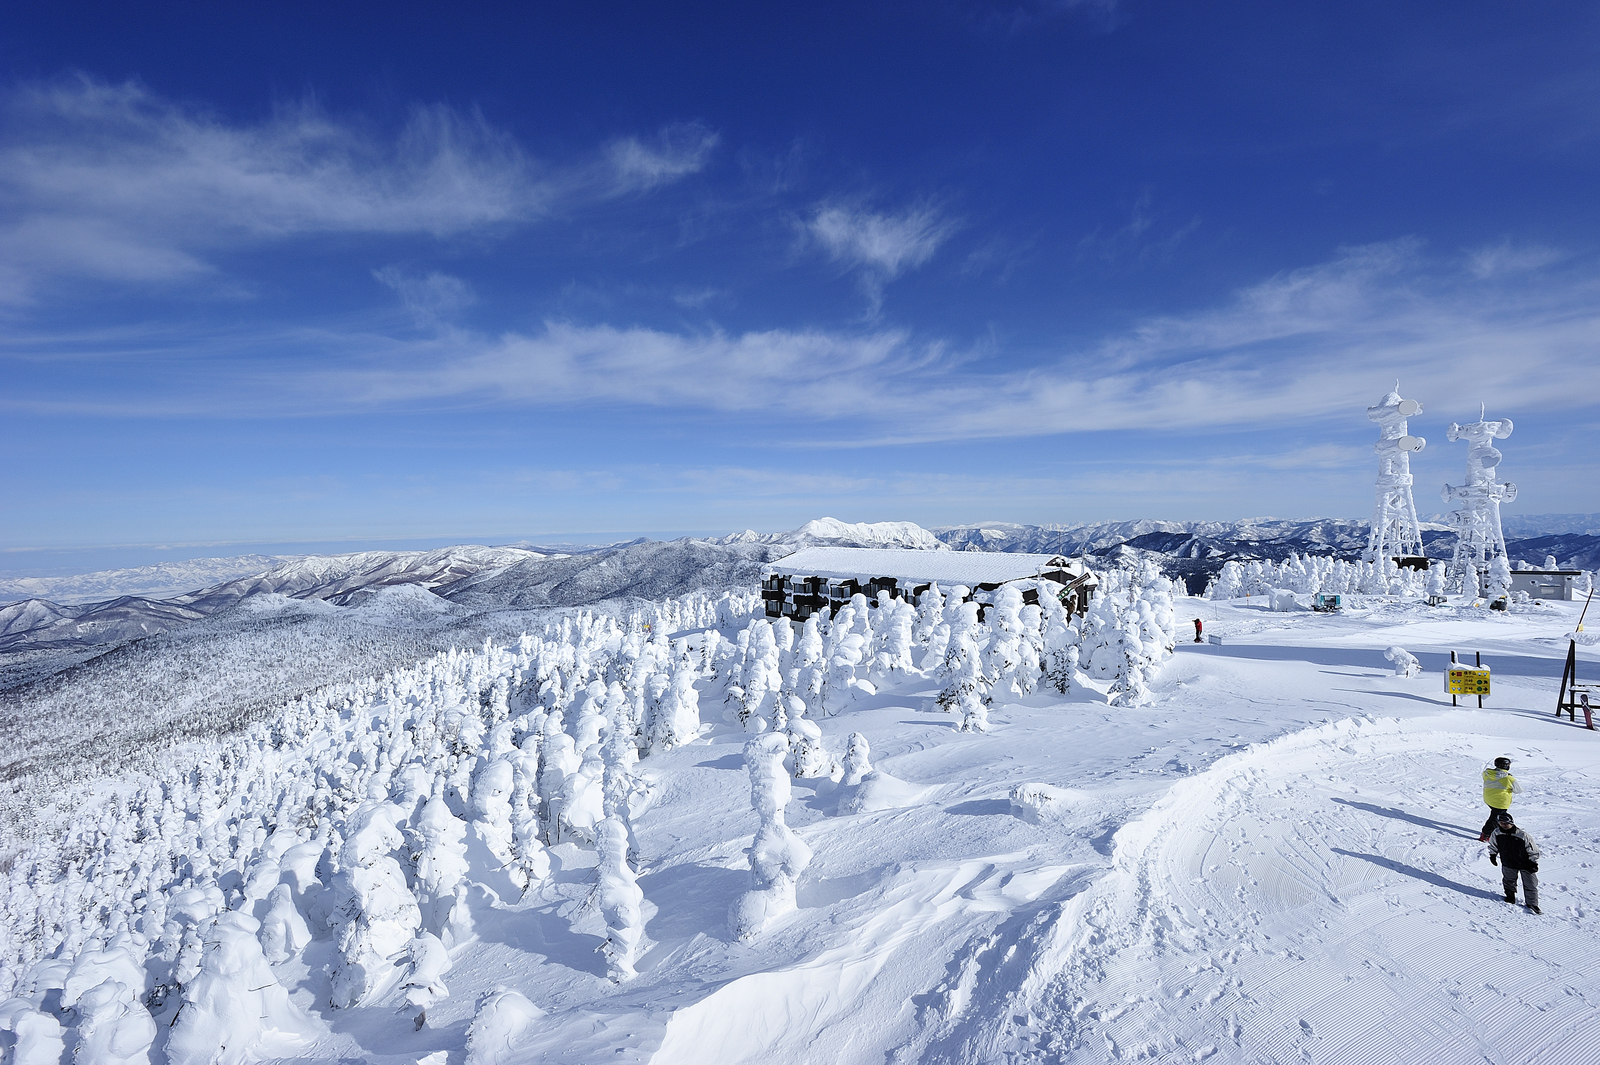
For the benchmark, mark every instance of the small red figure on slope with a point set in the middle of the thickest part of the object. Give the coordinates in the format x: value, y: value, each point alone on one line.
x: 1197, y: 631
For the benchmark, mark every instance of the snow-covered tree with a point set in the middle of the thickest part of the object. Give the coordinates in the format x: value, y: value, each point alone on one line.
x: 845, y: 650
x: 893, y: 654
x: 857, y: 760
x: 1003, y: 657
x: 974, y: 713
x: 1061, y: 652
x: 284, y: 932
x: 1498, y: 584
x: 805, y: 742
x: 438, y: 841
x: 777, y: 855
x: 1405, y: 663
x: 930, y: 615
x: 677, y: 718
x: 619, y: 898
x: 233, y: 1000
x: 1229, y: 584
x: 493, y: 837
x: 376, y: 911
x: 424, y: 983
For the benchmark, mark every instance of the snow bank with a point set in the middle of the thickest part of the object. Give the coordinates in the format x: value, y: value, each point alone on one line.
x: 502, y: 1021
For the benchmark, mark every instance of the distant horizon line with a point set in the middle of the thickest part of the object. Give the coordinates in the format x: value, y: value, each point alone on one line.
x: 612, y: 536
x: 63, y: 561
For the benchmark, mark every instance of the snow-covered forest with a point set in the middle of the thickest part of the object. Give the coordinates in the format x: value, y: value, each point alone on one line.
x: 698, y: 798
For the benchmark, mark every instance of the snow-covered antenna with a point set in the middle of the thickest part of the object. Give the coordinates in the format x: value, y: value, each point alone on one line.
x: 1479, y: 538
x: 1395, y: 532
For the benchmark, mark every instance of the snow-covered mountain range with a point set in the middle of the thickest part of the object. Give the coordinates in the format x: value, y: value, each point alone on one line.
x: 521, y: 578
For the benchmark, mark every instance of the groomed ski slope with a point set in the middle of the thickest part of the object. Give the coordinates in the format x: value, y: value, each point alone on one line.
x: 1275, y: 860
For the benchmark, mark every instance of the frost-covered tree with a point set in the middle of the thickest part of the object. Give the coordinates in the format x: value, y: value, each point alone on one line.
x: 777, y: 855
x: 232, y: 1001
x: 439, y: 843
x: 36, y: 1036
x: 845, y: 650
x: 1405, y: 663
x: 857, y: 760
x: 1003, y: 657
x: 892, y: 657
x: 805, y: 742
x: 1229, y: 584
x: 493, y: 836
x: 559, y: 762
x: 761, y: 679
x: 929, y: 616
x: 962, y: 670
x: 1060, y: 655
x: 376, y: 911
x: 284, y: 932
x: 423, y: 983
x: 677, y: 719
x: 1498, y: 584
x: 619, y: 899
x: 974, y: 713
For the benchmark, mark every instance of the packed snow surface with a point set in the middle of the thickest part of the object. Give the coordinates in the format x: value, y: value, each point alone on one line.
x: 1273, y: 859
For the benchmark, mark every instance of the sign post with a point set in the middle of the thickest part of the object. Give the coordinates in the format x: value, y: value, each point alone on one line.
x: 1462, y: 679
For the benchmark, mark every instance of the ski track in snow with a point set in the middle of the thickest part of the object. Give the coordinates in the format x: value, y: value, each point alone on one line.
x: 1306, y: 901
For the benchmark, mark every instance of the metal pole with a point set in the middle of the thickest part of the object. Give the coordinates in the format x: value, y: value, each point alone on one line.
x: 1478, y: 655
x: 1452, y: 662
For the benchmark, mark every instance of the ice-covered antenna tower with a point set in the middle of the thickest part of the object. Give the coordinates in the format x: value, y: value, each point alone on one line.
x: 1479, y: 539
x: 1395, y: 532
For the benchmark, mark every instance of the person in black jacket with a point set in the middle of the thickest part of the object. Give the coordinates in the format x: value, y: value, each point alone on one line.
x: 1514, y: 851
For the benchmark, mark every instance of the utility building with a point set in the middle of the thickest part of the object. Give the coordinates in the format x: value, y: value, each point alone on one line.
x: 1550, y: 584
x: 820, y: 578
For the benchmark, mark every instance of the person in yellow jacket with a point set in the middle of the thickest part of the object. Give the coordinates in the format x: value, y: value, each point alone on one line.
x: 1498, y: 787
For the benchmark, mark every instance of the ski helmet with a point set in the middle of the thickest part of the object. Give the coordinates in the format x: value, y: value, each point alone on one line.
x: 1502, y: 762
x: 1504, y: 818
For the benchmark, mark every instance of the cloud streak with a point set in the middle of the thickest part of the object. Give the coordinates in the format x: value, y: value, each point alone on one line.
x: 879, y: 247
x: 1303, y: 347
x: 115, y: 183
x: 677, y: 151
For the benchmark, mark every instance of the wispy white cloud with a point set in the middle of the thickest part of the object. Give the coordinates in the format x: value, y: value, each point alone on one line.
x: 1141, y: 239
x: 430, y: 299
x: 113, y: 182
x: 801, y: 371
x: 1506, y: 258
x: 886, y: 244
x: 675, y: 152
x: 1301, y: 349
x: 879, y: 247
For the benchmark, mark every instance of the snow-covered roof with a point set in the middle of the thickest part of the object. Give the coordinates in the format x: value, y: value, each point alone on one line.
x: 946, y: 567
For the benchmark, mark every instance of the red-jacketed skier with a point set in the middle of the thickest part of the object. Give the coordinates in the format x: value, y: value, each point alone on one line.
x: 1515, y: 852
x: 1197, y: 631
x: 1498, y: 787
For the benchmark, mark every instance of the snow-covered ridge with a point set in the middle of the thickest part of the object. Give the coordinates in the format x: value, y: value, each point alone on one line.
x: 485, y: 578
x: 831, y: 532
x: 36, y: 623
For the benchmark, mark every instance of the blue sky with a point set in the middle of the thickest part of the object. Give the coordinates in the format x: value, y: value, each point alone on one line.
x: 409, y: 273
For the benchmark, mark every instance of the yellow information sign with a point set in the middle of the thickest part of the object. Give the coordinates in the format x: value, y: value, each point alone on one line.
x: 1466, y: 680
